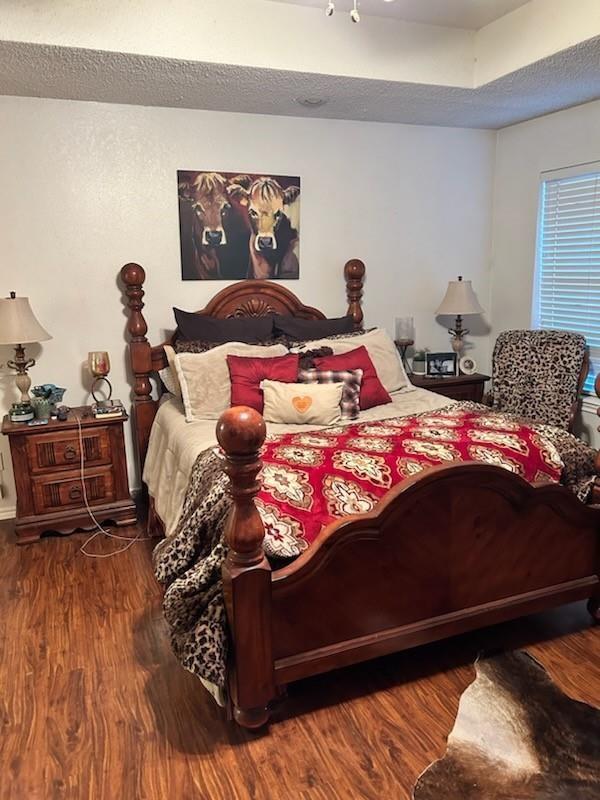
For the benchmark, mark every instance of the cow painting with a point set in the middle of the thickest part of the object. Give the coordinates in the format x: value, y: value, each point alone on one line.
x: 235, y: 226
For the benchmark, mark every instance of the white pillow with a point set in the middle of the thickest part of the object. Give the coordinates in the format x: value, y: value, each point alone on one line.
x: 204, y: 377
x: 381, y: 349
x: 168, y: 375
x: 302, y: 403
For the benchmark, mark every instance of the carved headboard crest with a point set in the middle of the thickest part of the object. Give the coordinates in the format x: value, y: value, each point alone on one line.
x: 257, y: 299
x: 254, y: 307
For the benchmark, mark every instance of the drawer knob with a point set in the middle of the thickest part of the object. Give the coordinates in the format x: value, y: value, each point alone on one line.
x: 75, y: 492
x: 70, y: 453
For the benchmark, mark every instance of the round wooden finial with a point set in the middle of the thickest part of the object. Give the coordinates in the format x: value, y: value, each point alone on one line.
x: 241, y: 430
x: 354, y: 270
x: 133, y: 274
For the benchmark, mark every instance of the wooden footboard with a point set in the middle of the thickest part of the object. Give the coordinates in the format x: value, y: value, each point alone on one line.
x: 460, y: 547
x: 453, y: 549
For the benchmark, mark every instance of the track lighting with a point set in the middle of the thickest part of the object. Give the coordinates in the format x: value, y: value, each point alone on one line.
x: 354, y: 15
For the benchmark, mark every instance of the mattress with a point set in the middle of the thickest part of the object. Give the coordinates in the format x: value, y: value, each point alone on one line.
x: 175, y: 444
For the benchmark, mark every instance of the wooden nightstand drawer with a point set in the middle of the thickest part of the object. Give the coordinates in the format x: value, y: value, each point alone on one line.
x: 51, y: 493
x: 469, y: 392
x: 50, y: 451
x: 459, y: 387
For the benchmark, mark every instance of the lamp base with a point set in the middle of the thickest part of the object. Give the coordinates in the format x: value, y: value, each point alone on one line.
x: 21, y: 365
x: 458, y: 334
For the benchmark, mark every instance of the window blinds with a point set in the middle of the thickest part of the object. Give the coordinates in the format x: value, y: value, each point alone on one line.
x: 567, y: 290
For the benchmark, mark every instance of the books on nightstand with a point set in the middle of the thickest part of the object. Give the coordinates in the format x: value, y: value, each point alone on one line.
x: 108, y: 409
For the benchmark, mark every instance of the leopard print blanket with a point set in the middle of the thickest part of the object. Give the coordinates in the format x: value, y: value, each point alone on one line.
x: 188, y: 563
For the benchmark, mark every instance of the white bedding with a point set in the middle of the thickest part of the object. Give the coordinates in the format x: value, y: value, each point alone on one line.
x: 175, y: 444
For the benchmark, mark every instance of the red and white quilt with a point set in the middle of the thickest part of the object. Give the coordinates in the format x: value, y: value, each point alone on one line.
x: 310, y: 479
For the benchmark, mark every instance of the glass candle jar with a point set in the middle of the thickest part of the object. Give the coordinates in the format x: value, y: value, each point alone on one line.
x: 99, y: 363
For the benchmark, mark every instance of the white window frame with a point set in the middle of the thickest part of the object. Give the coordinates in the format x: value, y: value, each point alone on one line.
x: 590, y: 401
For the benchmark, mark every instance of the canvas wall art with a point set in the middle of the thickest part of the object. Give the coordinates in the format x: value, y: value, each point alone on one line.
x: 236, y: 226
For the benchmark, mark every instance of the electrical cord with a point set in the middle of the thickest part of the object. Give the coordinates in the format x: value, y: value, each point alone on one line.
x: 100, y: 530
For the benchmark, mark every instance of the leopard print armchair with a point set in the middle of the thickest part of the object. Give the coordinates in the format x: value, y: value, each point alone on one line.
x: 539, y: 375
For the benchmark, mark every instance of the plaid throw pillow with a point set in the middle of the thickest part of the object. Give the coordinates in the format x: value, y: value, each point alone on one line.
x: 351, y: 378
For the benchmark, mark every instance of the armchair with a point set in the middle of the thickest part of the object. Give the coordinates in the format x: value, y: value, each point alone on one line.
x: 539, y: 374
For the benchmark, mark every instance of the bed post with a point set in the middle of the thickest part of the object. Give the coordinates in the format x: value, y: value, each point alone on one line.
x: 354, y: 274
x: 140, y: 354
x: 246, y: 572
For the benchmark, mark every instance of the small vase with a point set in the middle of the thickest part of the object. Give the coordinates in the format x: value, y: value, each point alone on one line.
x: 42, y: 407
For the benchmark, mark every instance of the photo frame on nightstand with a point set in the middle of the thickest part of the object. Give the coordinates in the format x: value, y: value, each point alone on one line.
x: 441, y: 365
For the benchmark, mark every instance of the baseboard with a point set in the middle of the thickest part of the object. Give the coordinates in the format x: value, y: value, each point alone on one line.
x: 8, y: 512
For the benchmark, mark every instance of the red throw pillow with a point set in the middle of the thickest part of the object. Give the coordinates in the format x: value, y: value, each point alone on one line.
x: 247, y: 373
x: 372, y: 391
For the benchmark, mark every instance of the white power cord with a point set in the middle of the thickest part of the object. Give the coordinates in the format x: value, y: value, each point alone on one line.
x: 100, y: 530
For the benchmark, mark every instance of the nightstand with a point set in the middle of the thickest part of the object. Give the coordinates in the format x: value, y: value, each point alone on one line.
x: 460, y: 387
x: 47, y: 468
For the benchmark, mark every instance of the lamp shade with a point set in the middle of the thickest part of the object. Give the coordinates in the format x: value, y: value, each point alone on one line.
x: 18, y: 324
x: 460, y: 299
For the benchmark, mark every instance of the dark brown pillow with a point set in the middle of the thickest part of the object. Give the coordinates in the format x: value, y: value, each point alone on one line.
x: 198, y: 327
x: 307, y: 329
x: 307, y: 357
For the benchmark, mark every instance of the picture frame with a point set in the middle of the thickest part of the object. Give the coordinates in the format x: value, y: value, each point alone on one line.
x: 238, y: 226
x: 468, y: 365
x: 441, y: 365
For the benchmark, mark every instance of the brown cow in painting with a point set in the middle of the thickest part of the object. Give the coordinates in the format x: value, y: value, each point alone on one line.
x: 273, y: 229
x: 212, y: 222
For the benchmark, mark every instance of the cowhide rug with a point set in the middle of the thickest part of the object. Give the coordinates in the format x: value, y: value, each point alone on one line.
x: 517, y: 737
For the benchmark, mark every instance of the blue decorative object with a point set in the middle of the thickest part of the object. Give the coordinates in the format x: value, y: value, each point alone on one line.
x: 49, y: 391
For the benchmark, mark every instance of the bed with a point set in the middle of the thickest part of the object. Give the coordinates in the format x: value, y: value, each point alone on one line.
x: 430, y: 561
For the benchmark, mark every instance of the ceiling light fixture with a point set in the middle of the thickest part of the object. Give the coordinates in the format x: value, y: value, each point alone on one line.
x: 311, y: 102
x: 354, y: 15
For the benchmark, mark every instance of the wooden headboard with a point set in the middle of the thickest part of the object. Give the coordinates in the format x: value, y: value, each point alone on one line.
x: 250, y: 298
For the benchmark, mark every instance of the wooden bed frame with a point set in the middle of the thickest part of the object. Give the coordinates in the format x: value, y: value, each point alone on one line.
x: 430, y: 562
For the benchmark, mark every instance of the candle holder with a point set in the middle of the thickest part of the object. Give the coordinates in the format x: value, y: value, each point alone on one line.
x: 99, y: 366
x: 405, y: 337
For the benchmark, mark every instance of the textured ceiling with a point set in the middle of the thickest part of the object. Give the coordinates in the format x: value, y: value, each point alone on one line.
x: 471, y: 14
x: 567, y: 78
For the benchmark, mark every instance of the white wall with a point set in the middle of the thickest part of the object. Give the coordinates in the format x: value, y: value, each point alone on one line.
x: 87, y: 187
x: 523, y: 152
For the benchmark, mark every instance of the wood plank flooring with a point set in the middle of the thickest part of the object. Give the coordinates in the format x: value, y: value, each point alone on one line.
x: 93, y: 704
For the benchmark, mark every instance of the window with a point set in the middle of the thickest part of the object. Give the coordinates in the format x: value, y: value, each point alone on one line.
x: 567, y: 279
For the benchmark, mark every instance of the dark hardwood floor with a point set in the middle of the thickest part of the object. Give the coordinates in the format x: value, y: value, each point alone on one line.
x: 93, y: 704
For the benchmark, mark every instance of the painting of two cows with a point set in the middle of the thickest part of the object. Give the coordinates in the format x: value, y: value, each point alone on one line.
x: 238, y: 226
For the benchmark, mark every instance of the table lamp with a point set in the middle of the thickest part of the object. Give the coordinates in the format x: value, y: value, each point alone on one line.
x: 18, y: 326
x: 459, y: 300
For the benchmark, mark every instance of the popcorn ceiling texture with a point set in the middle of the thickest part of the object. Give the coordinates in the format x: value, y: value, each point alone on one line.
x: 565, y: 79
